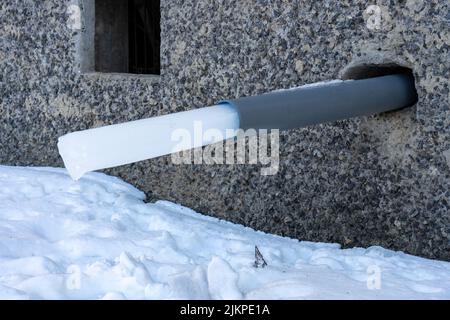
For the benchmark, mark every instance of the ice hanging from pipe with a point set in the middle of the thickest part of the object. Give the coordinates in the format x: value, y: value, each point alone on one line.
x: 121, y: 144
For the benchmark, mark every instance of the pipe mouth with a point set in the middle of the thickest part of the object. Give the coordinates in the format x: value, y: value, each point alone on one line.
x: 373, y: 70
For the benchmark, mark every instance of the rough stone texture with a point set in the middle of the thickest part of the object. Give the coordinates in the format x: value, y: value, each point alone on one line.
x: 381, y: 180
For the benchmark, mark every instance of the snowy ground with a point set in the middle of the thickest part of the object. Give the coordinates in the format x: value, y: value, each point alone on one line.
x: 96, y: 238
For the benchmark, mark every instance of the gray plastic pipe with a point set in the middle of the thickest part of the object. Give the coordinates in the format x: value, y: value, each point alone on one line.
x: 309, y: 105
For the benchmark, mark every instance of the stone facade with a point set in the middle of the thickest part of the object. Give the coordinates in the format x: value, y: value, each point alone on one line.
x: 382, y: 180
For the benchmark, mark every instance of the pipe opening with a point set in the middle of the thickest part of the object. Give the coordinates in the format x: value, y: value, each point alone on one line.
x: 366, y: 71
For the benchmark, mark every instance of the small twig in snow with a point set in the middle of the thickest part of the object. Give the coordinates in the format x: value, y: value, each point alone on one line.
x: 260, y: 262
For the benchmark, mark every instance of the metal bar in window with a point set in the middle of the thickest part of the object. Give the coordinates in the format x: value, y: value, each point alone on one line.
x: 144, y: 28
x: 136, y: 52
x: 146, y: 34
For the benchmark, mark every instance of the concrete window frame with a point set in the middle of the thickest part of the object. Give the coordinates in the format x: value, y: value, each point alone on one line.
x: 85, y: 46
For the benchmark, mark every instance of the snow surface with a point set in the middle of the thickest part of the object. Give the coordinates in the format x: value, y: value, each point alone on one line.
x: 97, y: 239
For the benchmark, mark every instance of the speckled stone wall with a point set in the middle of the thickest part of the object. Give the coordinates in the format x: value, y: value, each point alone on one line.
x: 380, y: 180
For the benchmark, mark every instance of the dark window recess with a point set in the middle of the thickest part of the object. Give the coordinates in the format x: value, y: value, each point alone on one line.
x: 127, y: 36
x: 144, y: 36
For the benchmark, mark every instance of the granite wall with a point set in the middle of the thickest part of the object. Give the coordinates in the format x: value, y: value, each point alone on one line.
x: 380, y: 180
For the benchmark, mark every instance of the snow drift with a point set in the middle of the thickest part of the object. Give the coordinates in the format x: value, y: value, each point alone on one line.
x: 97, y: 239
